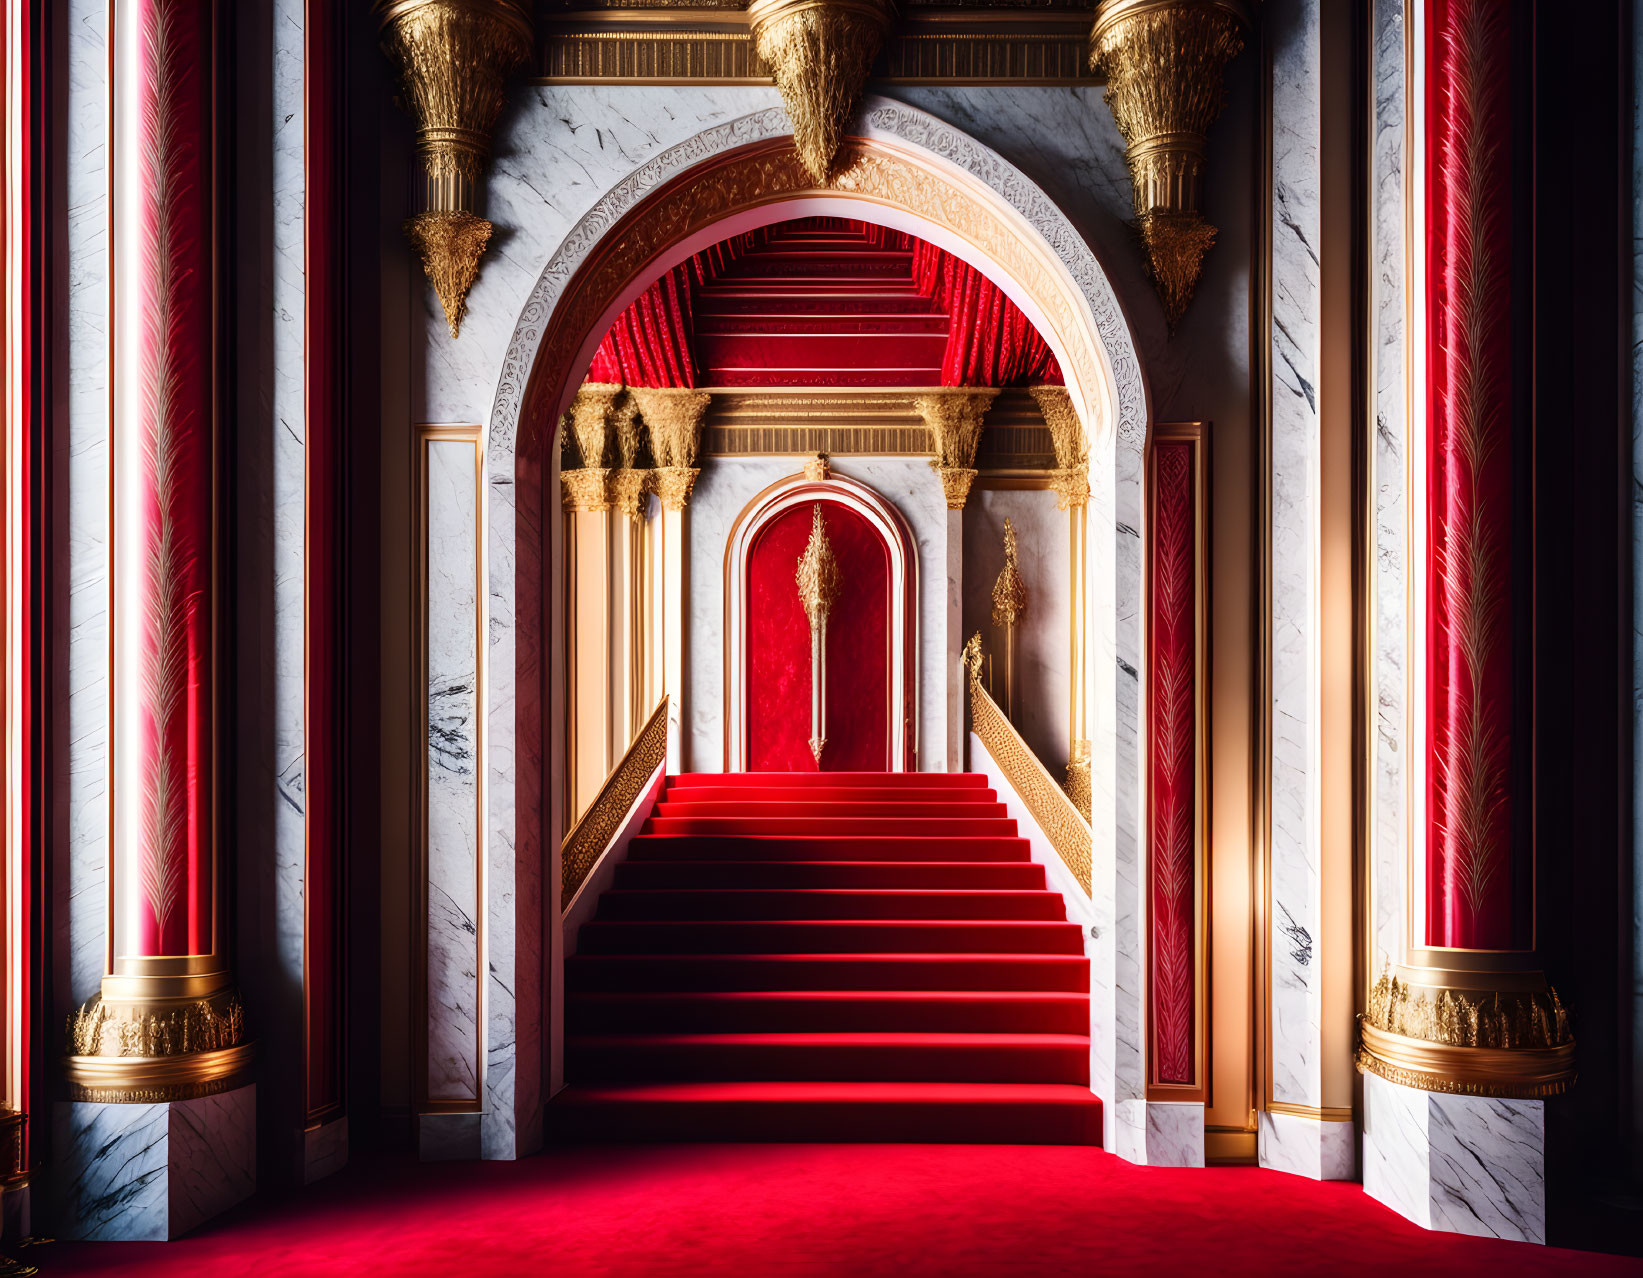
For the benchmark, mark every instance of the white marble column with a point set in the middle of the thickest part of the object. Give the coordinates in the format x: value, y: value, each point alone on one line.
x: 1296, y: 1133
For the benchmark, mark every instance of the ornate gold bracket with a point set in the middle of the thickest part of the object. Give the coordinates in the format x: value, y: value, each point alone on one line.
x: 955, y: 419
x: 819, y: 52
x: 453, y: 58
x: 673, y: 416
x: 1164, y: 61
x: 1422, y: 1032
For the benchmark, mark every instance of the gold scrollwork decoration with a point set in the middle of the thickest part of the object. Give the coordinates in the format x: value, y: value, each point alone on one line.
x: 590, y: 837
x: 1067, y: 830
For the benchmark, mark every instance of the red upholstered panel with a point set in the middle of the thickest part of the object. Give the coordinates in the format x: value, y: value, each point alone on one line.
x: 858, y: 648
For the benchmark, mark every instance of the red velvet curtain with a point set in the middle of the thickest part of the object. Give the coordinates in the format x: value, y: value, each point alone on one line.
x: 989, y: 341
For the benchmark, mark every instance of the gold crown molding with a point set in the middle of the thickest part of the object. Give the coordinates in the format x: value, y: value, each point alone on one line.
x: 1009, y: 591
x: 1513, y: 1042
x: 158, y: 1049
x: 1165, y: 61
x: 673, y: 416
x: 819, y: 52
x: 1069, y: 833
x: 591, y: 835
x: 673, y: 485
x: 586, y: 489
x: 453, y: 58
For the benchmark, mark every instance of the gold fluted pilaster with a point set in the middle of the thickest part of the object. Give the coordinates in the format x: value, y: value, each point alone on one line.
x: 1164, y: 61
x: 955, y: 419
x: 819, y: 52
x: 454, y: 58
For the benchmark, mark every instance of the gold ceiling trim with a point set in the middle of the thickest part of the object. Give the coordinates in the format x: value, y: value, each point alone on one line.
x: 1164, y: 61
x: 639, y: 45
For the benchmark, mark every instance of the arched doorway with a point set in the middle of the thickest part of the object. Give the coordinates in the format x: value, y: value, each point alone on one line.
x: 871, y: 660
x: 908, y: 171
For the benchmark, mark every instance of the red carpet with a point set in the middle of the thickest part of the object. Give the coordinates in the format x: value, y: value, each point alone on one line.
x: 817, y: 1210
x: 828, y: 956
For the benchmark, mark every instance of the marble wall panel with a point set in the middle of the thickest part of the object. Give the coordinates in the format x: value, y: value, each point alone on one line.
x: 80, y: 539
x: 1295, y: 451
x: 455, y: 947
x: 1043, y: 634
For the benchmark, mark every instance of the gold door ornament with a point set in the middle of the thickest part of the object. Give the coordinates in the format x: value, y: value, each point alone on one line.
x: 818, y: 579
x: 454, y: 58
x: 1009, y: 602
x: 1164, y: 61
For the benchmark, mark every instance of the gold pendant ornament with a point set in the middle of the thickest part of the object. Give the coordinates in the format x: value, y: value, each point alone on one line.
x: 1164, y: 61
x: 1009, y: 602
x: 819, y: 53
x: 818, y: 580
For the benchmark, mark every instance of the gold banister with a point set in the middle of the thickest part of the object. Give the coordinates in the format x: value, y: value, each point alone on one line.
x: 590, y: 837
x: 1065, y: 827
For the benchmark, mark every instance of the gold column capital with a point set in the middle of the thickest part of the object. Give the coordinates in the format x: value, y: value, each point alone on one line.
x: 1072, y: 445
x: 586, y: 490
x: 628, y: 487
x: 673, y: 415
x: 1164, y: 61
x: 819, y: 53
x: 955, y: 418
x: 673, y: 485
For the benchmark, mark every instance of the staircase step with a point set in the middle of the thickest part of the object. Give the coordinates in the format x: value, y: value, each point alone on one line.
x: 693, y: 904
x: 731, y: 793
x: 832, y: 1011
x: 724, y: 847
x: 747, y: 809
x: 833, y: 827
x: 821, y: 1057
x: 942, y: 780
x: 830, y: 936
x: 662, y: 973
x: 953, y: 1113
x: 1022, y: 876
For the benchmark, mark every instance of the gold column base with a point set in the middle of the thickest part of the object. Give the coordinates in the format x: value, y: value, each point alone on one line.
x: 1469, y: 1033
x: 156, y: 1047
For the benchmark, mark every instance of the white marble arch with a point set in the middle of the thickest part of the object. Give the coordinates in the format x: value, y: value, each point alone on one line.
x: 1054, y: 277
x: 887, y: 522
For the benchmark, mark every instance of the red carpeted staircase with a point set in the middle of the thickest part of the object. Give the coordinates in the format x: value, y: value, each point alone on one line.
x: 828, y: 956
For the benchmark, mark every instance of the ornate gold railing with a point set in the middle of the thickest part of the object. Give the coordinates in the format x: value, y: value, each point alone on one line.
x: 1055, y: 813
x: 592, y: 833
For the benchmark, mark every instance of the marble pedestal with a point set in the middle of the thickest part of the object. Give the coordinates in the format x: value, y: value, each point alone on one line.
x: 1467, y: 1164
x: 1159, y: 1133
x: 152, y: 1172
x: 1316, y: 1148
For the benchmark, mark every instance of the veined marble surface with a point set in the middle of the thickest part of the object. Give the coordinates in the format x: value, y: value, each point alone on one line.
x: 153, y: 1172
x: 1159, y: 1133
x: 1467, y: 1164
x: 1308, y: 1147
x: 455, y: 947
x: 1389, y: 840
x: 1295, y: 797
x: 80, y: 448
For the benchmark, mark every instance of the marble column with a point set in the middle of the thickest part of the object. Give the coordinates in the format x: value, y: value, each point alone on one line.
x: 1298, y: 1132
x: 954, y: 418
x: 164, y: 1043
